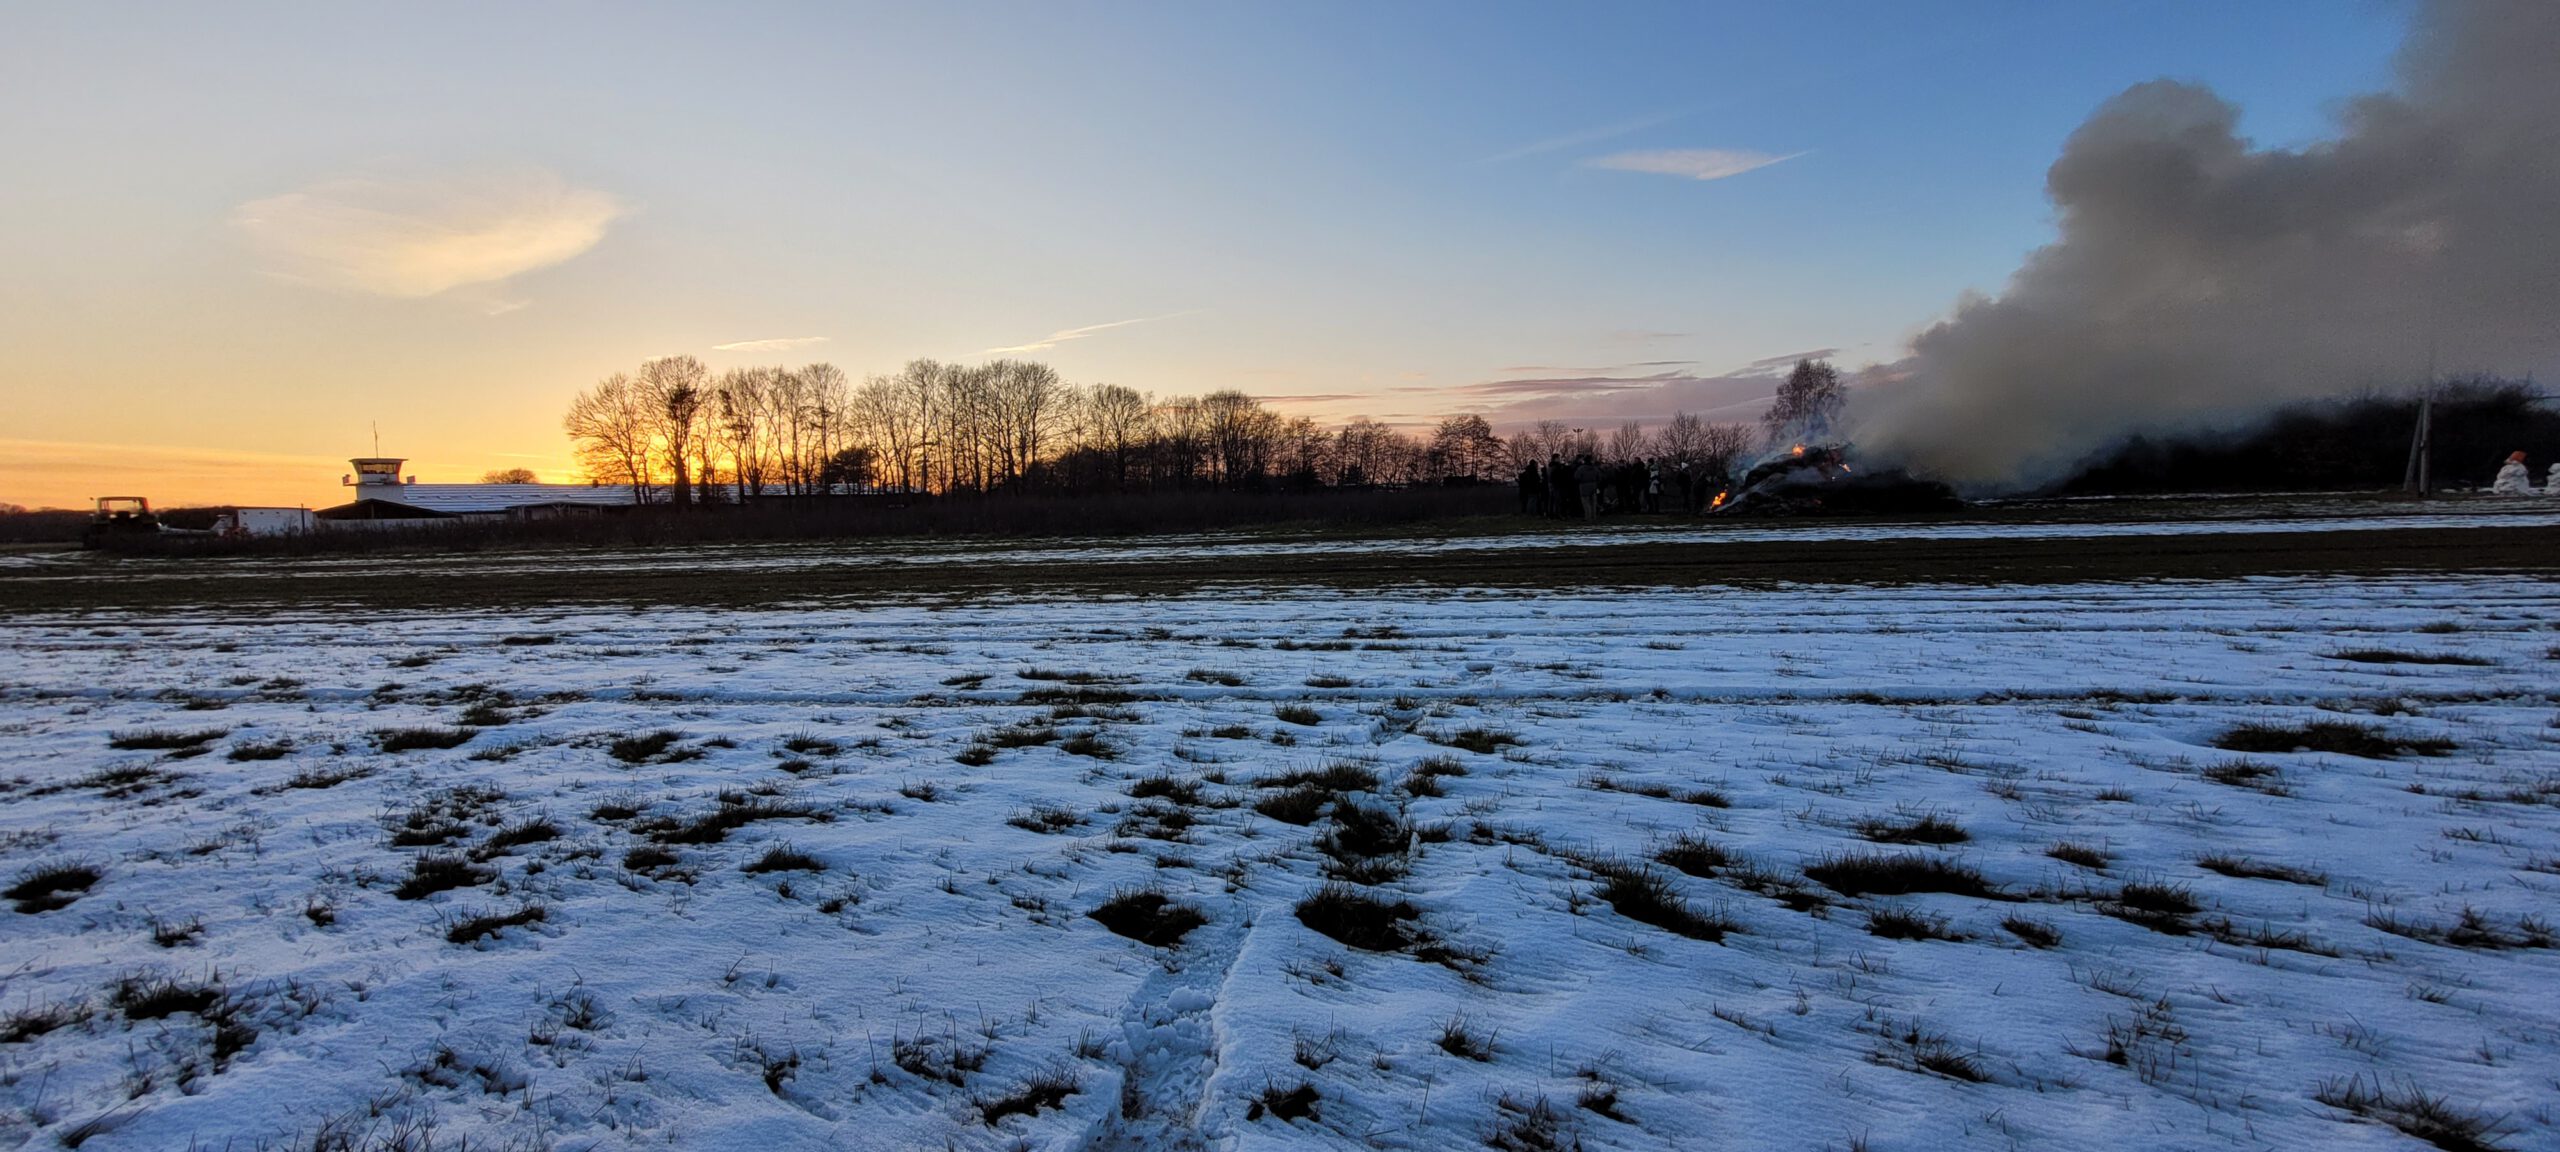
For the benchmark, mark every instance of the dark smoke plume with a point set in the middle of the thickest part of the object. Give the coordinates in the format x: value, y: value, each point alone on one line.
x: 2200, y: 281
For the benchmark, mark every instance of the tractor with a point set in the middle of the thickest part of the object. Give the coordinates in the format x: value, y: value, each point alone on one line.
x: 119, y: 516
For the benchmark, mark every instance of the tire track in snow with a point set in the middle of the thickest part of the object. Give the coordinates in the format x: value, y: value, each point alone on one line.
x: 1170, y: 1043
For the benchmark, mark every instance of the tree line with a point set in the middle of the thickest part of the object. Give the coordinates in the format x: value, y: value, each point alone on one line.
x: 676, y: 431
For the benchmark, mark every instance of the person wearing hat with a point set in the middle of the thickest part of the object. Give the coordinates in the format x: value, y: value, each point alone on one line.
x: 2513, y: 479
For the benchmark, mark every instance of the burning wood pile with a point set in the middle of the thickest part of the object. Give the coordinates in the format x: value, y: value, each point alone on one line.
x: 1819, y: 480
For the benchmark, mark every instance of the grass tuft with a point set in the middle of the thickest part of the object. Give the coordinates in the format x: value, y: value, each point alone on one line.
x: 475, y: 928
x: 46, y: 887
x: 1148, y: 916
x: 439, y: 872
x: 1356, y: 918
x: 1900, y: 874
x: 2404, y: 1106
x: 2339, y: 736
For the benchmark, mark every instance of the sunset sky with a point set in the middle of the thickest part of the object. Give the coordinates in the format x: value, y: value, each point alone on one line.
x: 237, y: 238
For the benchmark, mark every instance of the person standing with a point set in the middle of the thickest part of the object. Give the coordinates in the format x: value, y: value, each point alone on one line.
x: 2514, y: 479
x: 1586, y: 477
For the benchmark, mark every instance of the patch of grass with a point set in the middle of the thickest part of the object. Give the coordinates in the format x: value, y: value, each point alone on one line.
x: 533, y: 830
x: 2247, y: 774
x: 1078, y: 697
x: 976, y: 755
x: 616, y: 808
x: 2037, y: 933
x: 785, y: 858
x: 2471, y: 928
x: 1365, y: 845
x: 1898, y: 874
x: 1222, y: 678
x: 1647, y: 897
x: 437, y: 872
x: 1336, y: 777
x: 390, y: 740
x: 1284, y: 1104
x: 2087, y: 856
x: 1148, y: 916
x: 2396, y: 656
x: 46, y: 887
x: 2434, y: 1119
x: 1529, y: 1126
x: 480, y: 926
x: 2339, y: 736
x: 1299, y: 805
x: 160, y: 997
x: 484, y: 714
x: 733, y: 813
x: 176, y: 933
x: 1927, y: 828
x: 2160, y: 898
x: 2439, y: 628
x: 317, y: 778
x: 1330, y: 682
x: 1044, y: 1090
x: 1693, y: 854
x: 1297, y: 714
x: 810, y: 744
x: 1460, y: 1041
x: 2241, y: 867
x: 164, y: 739
x: 1924, y: 1050
x: 1023, y: 735
x: 37, y: 1020
x: 1047, y: 819
x: 527, y: 641
x: 1353, y: 917
x: 1231, y: 732
x: 648, y: 858
x: 250, y: 750
x: 1163, y: 786
x: 1908, y: 924
x: 1481, y: 741
x: 643, y: 748
x: 1091, y: 744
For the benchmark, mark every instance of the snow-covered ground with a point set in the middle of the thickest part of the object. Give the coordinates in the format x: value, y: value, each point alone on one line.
x: 1628, y: 828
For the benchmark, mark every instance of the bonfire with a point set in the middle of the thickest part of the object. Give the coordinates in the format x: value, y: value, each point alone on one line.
x: 1819, y: 480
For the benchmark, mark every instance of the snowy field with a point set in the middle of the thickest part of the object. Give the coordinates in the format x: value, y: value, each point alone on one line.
x: 1909, y: 868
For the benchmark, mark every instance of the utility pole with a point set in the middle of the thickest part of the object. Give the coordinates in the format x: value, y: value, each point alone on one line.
x: 2419, y: 478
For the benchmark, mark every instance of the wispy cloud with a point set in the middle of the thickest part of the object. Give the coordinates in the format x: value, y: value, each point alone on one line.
x: 783, y: 344
x: 1585, y: 136
x: 1065, y: 335
x: 1693, y: 163
x: 413, y: 238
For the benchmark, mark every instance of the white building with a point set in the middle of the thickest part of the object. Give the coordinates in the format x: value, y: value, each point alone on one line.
x: 382, y: 494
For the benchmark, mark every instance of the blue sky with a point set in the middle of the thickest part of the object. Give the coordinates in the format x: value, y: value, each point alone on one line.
x: 1392, y: 207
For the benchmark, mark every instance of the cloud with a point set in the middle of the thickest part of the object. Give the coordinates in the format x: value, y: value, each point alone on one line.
x: 1585, y: 136
x: 1778, y: 365
x: 1062, y: 336
x: 411, y: 239
x: 783, y: 344
x: 1694, y: 163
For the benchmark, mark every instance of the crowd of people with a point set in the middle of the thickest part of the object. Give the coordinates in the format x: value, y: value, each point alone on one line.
x: 1585, y: 488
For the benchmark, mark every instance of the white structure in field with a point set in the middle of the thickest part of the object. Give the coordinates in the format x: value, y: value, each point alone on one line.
x: 383, y: 494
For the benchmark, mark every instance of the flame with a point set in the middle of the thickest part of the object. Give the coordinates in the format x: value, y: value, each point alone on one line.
x: 1844, y: 465
x: 1719, y: 503
x: 1797, y: 450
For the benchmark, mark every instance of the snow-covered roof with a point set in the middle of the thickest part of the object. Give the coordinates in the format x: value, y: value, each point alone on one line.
x: 457, y: 499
